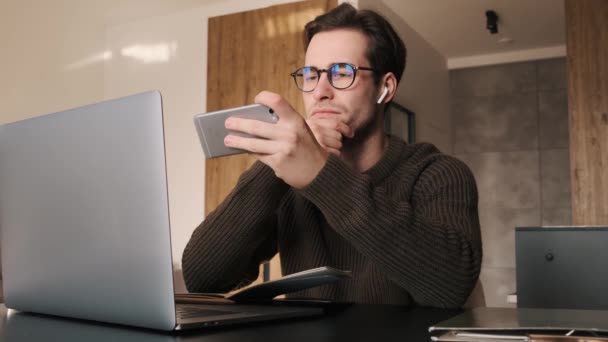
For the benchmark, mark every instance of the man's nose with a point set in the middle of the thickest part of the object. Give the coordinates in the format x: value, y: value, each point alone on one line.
x: 324, y: 89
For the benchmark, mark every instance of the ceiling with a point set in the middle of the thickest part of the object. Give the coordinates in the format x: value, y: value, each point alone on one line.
x: 457, y: 28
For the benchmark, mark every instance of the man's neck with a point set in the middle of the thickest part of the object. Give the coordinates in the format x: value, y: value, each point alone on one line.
x: 365, y: 154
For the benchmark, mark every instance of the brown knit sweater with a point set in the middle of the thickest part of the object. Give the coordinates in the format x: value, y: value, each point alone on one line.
x: 408, y: 229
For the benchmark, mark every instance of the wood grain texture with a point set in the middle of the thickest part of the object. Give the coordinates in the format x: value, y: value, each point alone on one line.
x: 587, y: 45
x: 249, y: 52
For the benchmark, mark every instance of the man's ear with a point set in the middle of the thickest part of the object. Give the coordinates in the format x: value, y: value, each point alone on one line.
x: 389, y: 88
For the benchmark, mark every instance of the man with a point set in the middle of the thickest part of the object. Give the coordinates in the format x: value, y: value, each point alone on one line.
x: 334, y: 190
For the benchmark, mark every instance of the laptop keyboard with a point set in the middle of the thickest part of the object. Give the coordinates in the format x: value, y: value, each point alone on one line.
x: 185, y: 312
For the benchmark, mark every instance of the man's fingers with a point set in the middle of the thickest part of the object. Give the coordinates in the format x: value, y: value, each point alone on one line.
x: 326, y: 134
x: 330, y: 142
x: 341, y: 127
x: 333, y: 151
x: 333, y: 124
x: 345, y: 129
x: 253, y: 127
x: 320, y: 131
x: 254, y: 145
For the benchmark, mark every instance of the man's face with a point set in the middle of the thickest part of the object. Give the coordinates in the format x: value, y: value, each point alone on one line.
x: 356, y: 106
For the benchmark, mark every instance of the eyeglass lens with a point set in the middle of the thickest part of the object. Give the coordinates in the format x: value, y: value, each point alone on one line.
x: 340, y: 75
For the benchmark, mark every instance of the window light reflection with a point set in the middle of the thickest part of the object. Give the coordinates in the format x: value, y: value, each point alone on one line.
x: 100, y: 57
x: 150, y: 53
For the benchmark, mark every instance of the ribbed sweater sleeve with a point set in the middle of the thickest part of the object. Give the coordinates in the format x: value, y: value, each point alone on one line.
x: 427, y: 241
x: 225, y: 251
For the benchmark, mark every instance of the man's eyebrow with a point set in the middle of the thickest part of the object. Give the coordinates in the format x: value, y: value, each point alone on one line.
x: 327, y: 65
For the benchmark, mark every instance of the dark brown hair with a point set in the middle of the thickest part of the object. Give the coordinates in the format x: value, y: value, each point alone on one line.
x: 386, y: 52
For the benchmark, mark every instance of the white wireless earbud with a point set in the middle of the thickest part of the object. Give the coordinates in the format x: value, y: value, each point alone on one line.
x: 384, y: 92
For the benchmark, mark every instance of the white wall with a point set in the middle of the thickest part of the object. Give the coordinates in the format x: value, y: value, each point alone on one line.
x: 50, y: 57
x: 425, y: 86
x: 167, y: 54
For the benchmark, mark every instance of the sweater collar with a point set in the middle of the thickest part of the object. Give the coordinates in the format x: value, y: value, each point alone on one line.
x: 389, y: 160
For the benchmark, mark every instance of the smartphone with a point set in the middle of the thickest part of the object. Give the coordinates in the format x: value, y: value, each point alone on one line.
x: 211, y: 130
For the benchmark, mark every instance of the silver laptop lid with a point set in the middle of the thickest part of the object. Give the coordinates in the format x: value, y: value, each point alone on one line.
x: 84, y: 215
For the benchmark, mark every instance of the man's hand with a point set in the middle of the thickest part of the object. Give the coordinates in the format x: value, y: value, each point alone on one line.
x: 329, y: 132
x: 288, y: 146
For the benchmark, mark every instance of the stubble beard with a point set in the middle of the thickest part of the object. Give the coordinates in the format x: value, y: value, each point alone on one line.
x: 364, y: 132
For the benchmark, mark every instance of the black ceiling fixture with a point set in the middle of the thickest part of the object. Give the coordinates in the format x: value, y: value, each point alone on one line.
x: 492, y: 21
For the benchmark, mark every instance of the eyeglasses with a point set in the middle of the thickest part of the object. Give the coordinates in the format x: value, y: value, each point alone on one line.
x: 339, y: 75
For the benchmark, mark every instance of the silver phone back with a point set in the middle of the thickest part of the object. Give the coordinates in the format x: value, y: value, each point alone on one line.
x: 211, y: 130
x: 84, y: 214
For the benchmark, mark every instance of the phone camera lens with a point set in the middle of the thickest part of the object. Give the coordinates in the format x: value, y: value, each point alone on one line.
x: 270, y: 111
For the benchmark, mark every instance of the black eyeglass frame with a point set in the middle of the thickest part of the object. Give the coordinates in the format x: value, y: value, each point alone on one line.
x: 295, y: 74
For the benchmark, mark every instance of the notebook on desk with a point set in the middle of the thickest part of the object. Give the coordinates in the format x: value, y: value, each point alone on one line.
x: 84, y: 218
x: 501, y: 324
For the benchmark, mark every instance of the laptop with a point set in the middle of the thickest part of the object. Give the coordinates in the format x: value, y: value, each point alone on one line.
x: 84, y: 221
x: 511, y: 324
x: 562, y: 267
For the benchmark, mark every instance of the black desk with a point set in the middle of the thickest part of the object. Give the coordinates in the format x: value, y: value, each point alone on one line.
x: 356, y: 323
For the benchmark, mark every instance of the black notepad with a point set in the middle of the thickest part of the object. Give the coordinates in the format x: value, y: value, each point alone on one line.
x: 267, y: 291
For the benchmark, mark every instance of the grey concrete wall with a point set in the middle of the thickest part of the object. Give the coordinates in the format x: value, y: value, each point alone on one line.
x: 510, y: 125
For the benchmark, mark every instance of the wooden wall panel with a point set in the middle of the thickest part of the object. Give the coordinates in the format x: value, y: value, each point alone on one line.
x: 587, y: 45
x: 249, y: 52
